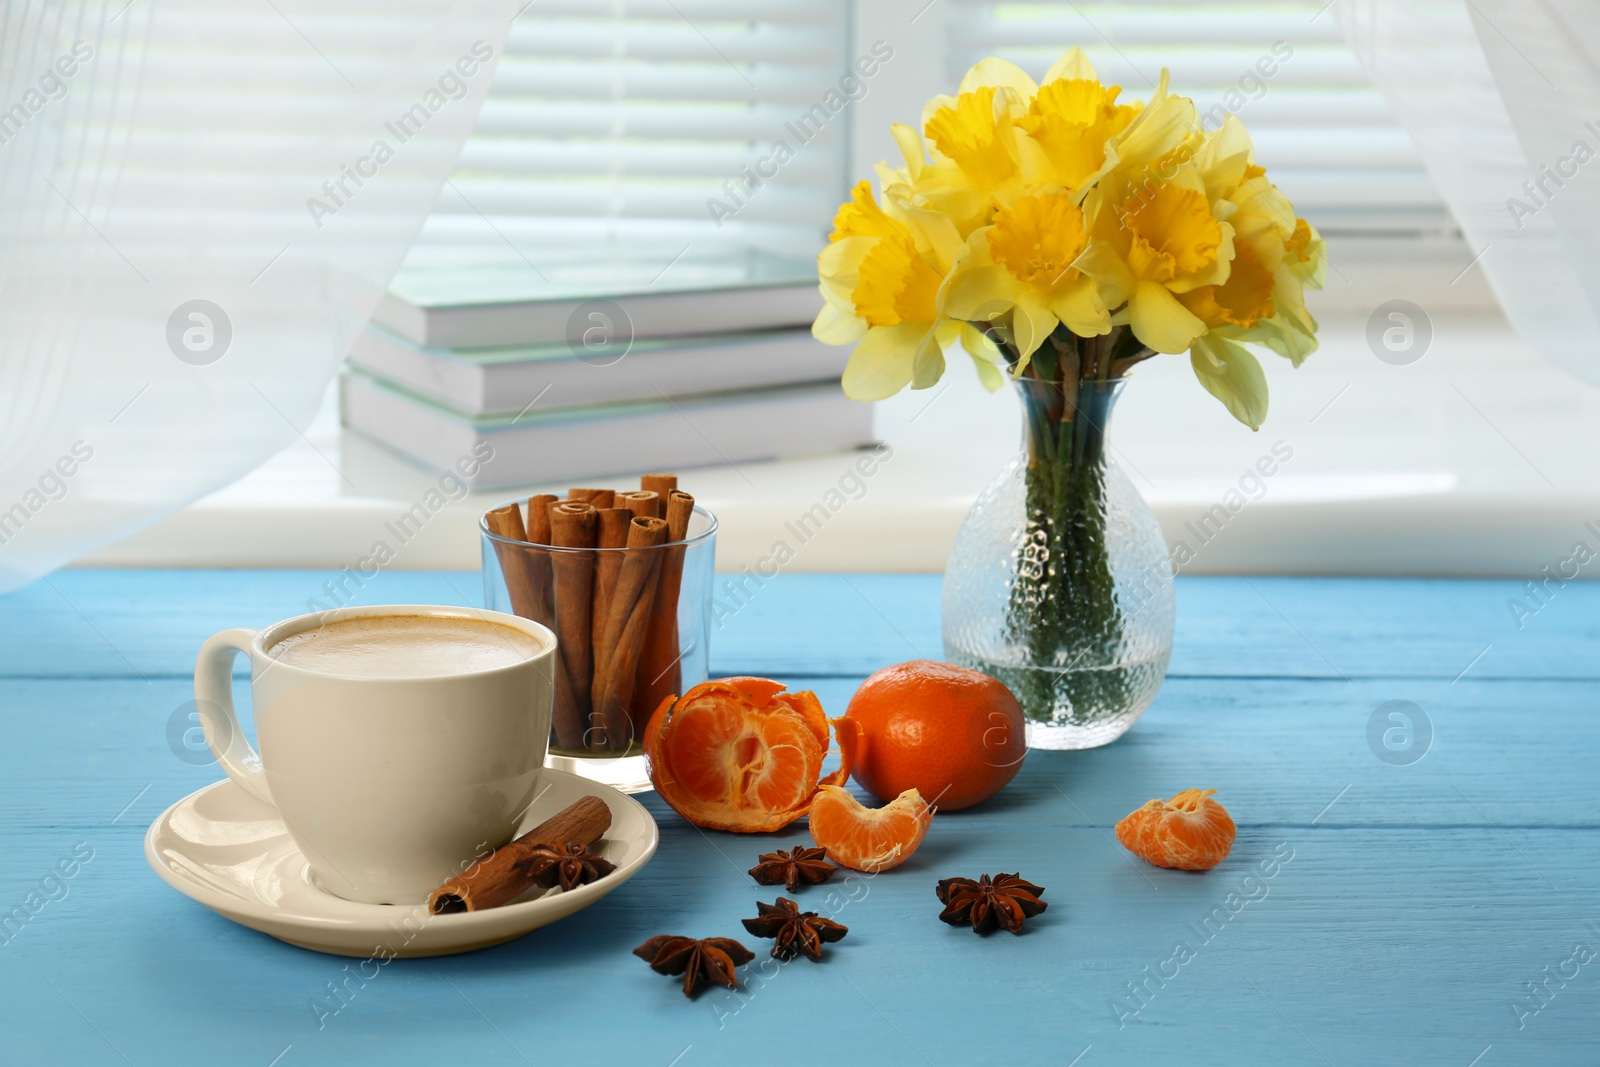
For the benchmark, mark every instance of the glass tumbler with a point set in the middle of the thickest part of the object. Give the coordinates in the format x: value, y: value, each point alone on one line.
x: 611, y: 685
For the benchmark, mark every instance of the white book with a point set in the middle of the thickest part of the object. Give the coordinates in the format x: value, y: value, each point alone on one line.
x: 479, y: 381
x: 572, y: 444
x: 461, y: 305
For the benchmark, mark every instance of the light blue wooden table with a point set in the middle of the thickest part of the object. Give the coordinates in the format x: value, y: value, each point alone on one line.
x: 1413, y: 910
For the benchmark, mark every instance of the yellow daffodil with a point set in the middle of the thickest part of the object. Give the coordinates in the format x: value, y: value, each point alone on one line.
x: 1073, y: 118
x: 1165, y: 134
x: 1154, y: 231
x: 1243, y: 300
x: 881, y: 274
x: 1153, y: 242
x: 1262, y: 300
x: 1278, y: 256
x: 977, y: 154
x: 1023, y: 266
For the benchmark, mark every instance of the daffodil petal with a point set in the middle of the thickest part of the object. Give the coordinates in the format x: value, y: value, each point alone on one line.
x: 990, y: 376
x: 1033, y: 162
x: 1159, y: 321
x: 1073, y: 64
x: 1286, y: 338
x: 893, y: 181
x: 881, y: 364
x: 1032, y: 322
x: 1000, y: 73
x: 909, y: 142
x: 979, y: 346
x: 836, y: 326
x: 1101, y: 262
x: 1159, y: 128
x: 1223, y: 158
x: 980, y: 294
x: 935, y: 235
x: 839, y: 268
x: 1232, y: 375
x: 927, y: 366
x: 1077, y: 303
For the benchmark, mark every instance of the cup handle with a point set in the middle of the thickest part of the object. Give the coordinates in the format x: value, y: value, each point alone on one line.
x: 213, y: 698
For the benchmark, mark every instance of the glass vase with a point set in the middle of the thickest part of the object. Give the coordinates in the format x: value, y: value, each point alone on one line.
x: 1060, y: 583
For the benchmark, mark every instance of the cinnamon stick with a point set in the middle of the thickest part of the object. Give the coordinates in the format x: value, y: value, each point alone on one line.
x: 539, y: 517
x: 618, y: 662
x: 660, y: 662
x: 506, y: 521
x: 613, y: 534
x: 536, y: 560
x: 502, y: 876
x: 641, y: 502
x: 680, y: 510
x: 604, y: 498
x: 661, y: 485
x: 582, y: 494
x: 573, y: 524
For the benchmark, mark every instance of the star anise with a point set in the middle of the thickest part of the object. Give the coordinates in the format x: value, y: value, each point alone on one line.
x: 794, y: 868
x: 987, y: 904
x: 567, y: 865
x: 796, y: 931
x: 699, y: 961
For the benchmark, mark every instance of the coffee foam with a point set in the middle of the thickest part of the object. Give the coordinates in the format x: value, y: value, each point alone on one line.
x: 406, y: 646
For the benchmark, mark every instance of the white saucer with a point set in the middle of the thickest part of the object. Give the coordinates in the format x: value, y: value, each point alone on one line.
x: 233, y: 854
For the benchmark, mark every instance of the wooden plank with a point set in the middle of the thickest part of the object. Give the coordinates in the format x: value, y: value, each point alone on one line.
x: 145, y: 624
x: 1226, y: 627
x: 1504, y: 754
x: 148, y: 623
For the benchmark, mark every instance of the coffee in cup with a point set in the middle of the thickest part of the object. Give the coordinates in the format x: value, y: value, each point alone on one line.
x: 405, y: 646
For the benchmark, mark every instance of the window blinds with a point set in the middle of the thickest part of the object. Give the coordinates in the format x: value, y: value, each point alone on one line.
x: 631, y: 123
x: 1319, y: 125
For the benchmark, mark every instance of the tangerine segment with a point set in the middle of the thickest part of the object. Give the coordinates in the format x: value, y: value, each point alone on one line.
x: 741, y: 754
x: 869, y: 839
x: 1191, y: 831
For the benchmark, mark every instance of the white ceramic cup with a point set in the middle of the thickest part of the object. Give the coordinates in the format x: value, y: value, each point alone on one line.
x: 389, y: 786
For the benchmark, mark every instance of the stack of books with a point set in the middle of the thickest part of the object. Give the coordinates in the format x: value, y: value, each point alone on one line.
x: 507, y: 379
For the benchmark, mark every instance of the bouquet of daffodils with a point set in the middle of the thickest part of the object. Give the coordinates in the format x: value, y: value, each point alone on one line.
x: 1052, y: 217
x: 1063, y: 237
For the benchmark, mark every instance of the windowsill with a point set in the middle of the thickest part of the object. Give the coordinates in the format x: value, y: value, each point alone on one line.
x: 1476, y: 460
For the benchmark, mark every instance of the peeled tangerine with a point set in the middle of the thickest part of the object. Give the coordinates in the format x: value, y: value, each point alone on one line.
x: 1191, y: 831
x: 741, y: 754
x: 869, y: 839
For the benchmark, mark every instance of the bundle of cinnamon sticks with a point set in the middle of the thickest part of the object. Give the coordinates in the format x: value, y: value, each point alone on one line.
x: 602, y: 569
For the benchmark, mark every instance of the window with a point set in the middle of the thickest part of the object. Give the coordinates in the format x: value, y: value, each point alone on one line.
x: 637, y: 125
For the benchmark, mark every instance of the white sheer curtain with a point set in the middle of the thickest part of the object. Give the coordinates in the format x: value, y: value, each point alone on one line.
x: 199, y: 203
x: 1504, y: 100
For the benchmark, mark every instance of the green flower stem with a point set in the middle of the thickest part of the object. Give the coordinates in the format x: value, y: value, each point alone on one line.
x: 1064, y: 607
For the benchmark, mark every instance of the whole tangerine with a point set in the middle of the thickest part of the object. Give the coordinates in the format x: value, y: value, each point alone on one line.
x: 955, y: 735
